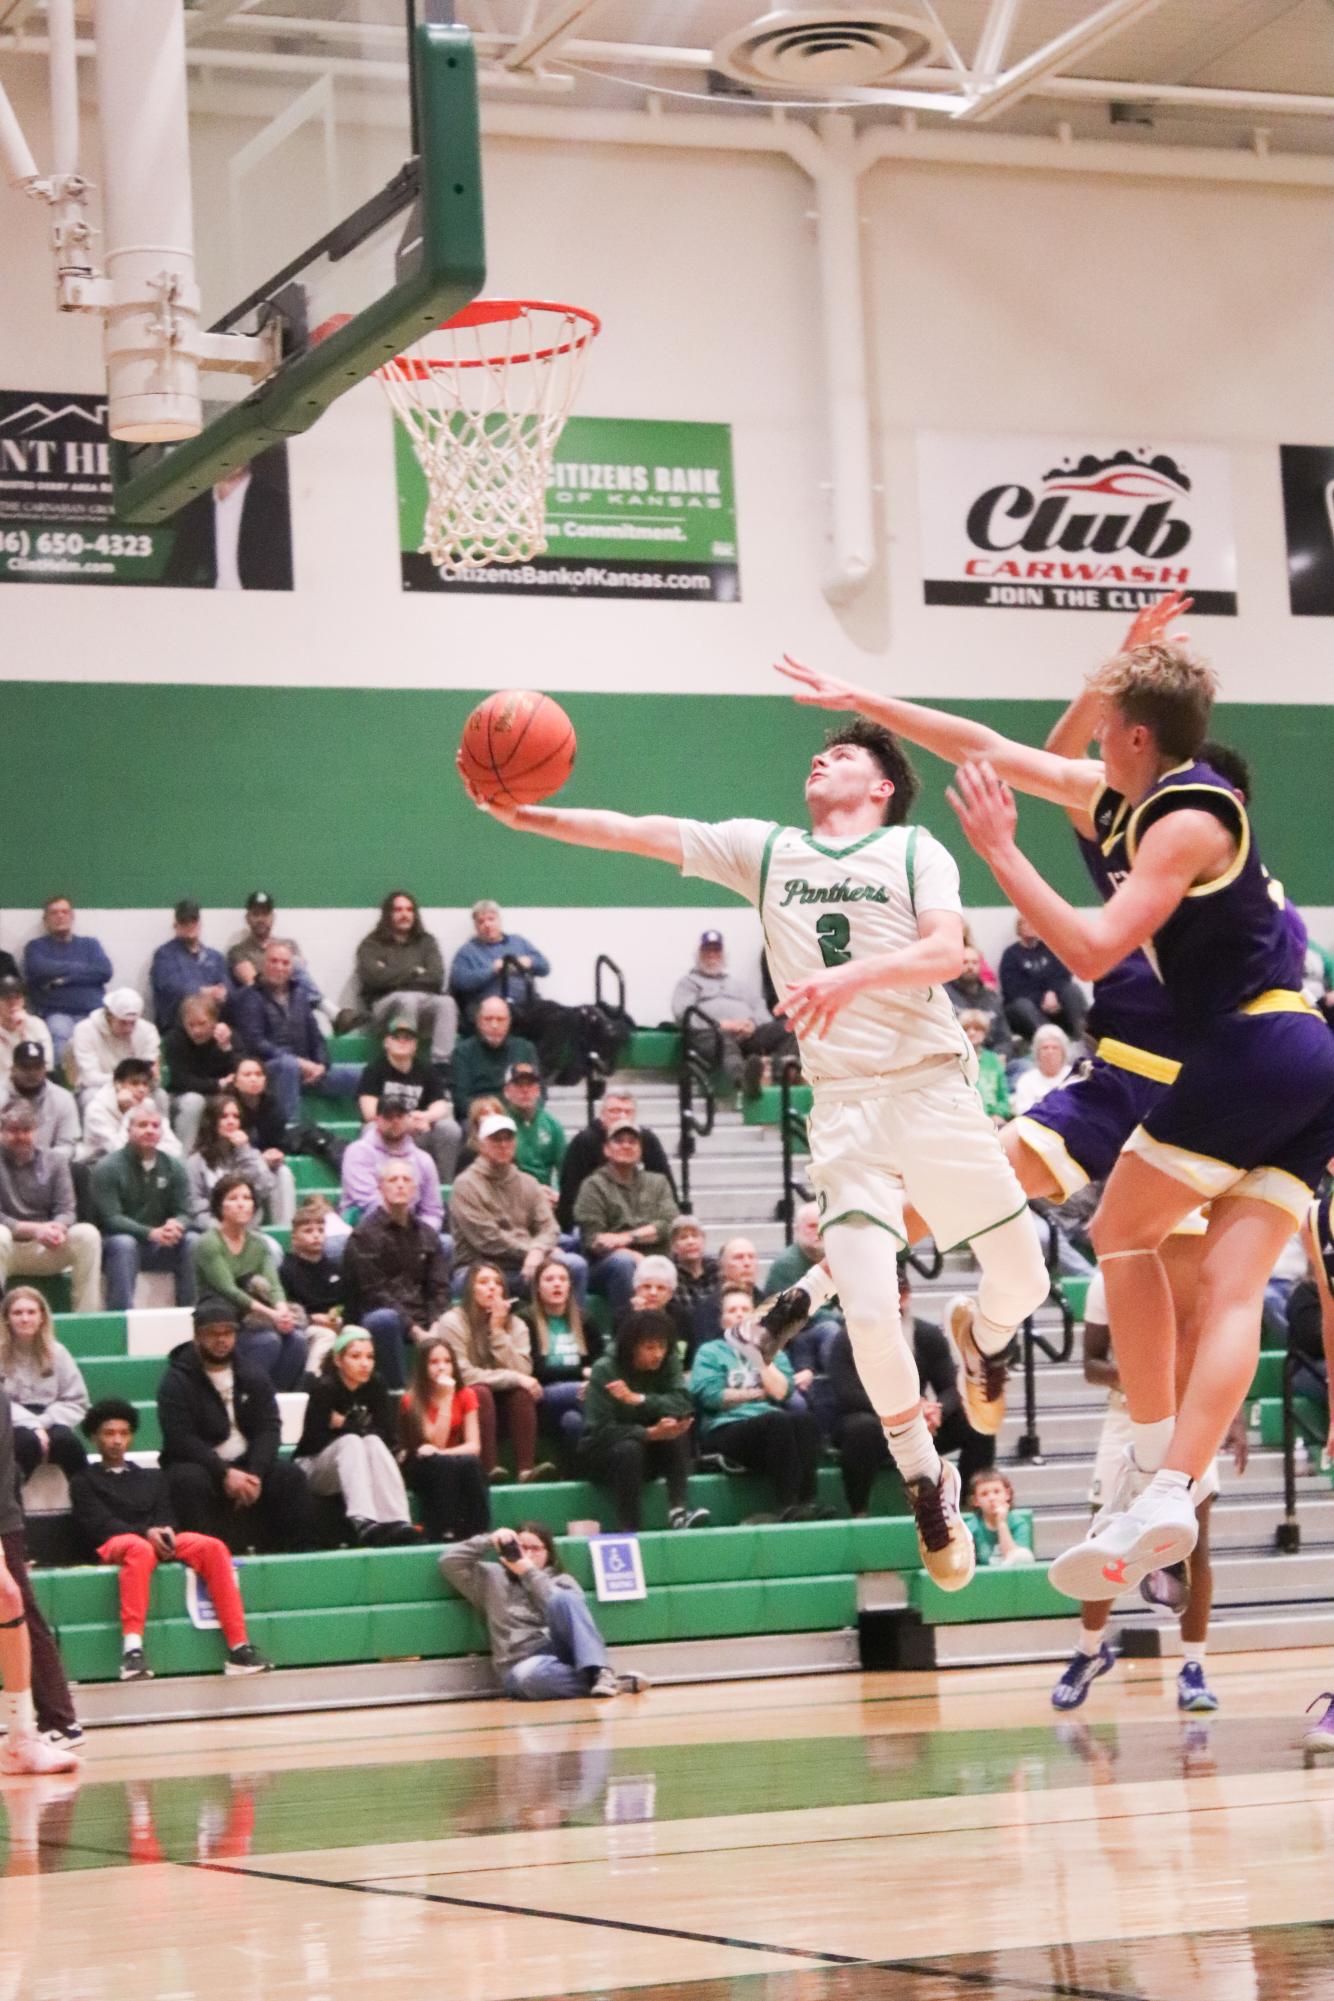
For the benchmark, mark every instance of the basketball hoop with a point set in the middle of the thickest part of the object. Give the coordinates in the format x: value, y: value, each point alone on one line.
x: 484, y: 399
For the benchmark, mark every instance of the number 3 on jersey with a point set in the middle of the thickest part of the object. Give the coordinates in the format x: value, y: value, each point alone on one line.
x: 834, y: 931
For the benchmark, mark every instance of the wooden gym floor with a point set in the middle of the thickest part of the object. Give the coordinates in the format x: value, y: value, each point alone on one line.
x: 834, y: 1838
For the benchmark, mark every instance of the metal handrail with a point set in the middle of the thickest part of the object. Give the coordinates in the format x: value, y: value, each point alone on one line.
x: 696, y: 1075
x: 604, y: 963
x: 1029, y: 1445
x: 791, y: 1127
x: 1288, y: 1534
x: 509, y: 964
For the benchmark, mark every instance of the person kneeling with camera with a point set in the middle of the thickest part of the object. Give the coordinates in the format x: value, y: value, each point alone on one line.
x: 545, y: 1645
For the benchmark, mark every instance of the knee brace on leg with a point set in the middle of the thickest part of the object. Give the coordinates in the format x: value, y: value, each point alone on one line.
x: 865, y: 1268
x: 1014, y: 1281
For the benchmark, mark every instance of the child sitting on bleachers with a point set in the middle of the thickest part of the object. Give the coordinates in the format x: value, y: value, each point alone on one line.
x: 124, y: 1514
x: 999, y: 1546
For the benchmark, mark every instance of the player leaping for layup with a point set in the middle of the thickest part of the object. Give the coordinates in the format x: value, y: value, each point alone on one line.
x: 862, y: 926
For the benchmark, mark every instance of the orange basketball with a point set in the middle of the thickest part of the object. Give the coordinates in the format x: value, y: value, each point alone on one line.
x: 517, y: 747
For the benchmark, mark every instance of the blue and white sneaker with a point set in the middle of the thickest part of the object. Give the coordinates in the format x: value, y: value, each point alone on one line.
x: 1079, y: 1676
x: 1193, y: 1691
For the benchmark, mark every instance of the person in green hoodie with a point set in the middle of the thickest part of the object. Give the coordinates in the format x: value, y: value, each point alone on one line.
x: 637, y: 1421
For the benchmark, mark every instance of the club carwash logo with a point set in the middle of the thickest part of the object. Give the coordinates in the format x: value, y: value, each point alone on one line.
x: 1103, y: 528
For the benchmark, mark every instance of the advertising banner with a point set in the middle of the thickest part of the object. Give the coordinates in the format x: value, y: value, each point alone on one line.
x: 57, y: 524
x: 1074, y: 524
x: 1308, y: 516
x: 635, y: 509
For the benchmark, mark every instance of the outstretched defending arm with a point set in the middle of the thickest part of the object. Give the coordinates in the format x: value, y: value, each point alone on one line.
x: 1073, y: 732
x: 656, y: 836
x: 1176, y: 852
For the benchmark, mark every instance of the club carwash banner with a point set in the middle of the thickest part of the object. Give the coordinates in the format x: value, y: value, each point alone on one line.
x: 635, y: 508
x: 58, y: 522
x: 1074, y: 523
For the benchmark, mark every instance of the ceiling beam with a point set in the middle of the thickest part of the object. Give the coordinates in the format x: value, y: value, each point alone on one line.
x: 1104, y: 21
x: 544, y: 40
x: 994, y: 40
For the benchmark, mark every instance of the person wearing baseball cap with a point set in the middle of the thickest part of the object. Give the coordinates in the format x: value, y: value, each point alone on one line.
x: 499, y: 1215
x: 539, y: 1139
x: 57, y: 1113
x: 16, y: 1026
x: 245, y: 954
x: 403, y: 1065
x: 185, y: 966
x: 744, y: 1036
x: 623, y: 1212
x: 112, y: 1032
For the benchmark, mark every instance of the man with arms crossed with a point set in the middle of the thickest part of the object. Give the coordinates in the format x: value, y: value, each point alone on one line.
x: 863, y: 926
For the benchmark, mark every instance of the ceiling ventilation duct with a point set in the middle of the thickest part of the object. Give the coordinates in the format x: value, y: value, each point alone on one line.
x: 819, y: 51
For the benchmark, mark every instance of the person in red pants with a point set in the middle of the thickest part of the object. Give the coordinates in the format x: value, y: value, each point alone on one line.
x: 123, y: 1512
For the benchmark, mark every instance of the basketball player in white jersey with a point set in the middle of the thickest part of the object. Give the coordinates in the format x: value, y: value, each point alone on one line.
x: 863, y: 925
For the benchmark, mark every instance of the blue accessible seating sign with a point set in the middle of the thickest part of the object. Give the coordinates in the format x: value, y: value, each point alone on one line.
x: 618, y: 1568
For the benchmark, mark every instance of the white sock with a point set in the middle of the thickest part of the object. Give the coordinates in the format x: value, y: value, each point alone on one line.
x: 20, y: 1716
x: 1089, y: 1642
x: 1168, y: 1481
x: 1194, y: 1650
x: 818, y: 1285
x: 132, y: 1643
x: 913, y: 1451
x: 1150, y: 1442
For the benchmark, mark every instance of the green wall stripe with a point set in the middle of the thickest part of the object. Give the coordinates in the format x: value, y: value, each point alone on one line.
x: 330, y: 796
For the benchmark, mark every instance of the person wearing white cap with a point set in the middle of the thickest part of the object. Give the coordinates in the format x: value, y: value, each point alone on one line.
x: 501, y: 1215
x: 107, y: 1036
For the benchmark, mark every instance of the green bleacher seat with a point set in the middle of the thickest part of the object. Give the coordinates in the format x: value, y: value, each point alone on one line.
x: 91, y: 1333
x: 1075, y: 1292
x: 766, y: 1107
x: 993, y: 1594
x: 353, y: 1048
x: 311, y: 1175
x: 652, y: 1049
x: 1312, y: 1420
x: 132, y: 1376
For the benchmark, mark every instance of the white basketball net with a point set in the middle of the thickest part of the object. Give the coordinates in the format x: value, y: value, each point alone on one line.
x: 484, y: 399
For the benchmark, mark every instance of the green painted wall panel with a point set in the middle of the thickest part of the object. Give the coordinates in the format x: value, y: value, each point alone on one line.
x: 331, y: 795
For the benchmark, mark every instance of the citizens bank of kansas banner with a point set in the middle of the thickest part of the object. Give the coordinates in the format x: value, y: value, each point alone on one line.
x: 58, y: 526
x: 1074, y: 523
x: 635, y: 509
x: 1308, y: 516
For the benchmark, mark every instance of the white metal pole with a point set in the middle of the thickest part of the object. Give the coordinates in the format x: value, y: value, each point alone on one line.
x: 20, y: 167
x: 843, y: 313
x: 63, y: 65
x: 152, y: 372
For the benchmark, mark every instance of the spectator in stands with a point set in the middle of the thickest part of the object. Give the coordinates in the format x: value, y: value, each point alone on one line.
x: 986, y: 972
x: 539, y: 1140
x: 588, y: 1149
x: 1036, y: 987
x: 66, y: 976
x: 220, y: 1438
x: 57, y: 1113
x: 107, y: 1036
x: 545, y: 1646
x: 106, y: 1112
x: 245, y: 954
x: 261, y: 1114
x: 752, y: 1038
x: 34, y: 1694
x: 483, y: 1058
x: 311, y: 1277
x: 560, y: 1349
x: 124, y: 1516
x: 696, y: 1272
x: 200, y: 1061
x: 501, y: 1215
x: 998, y: 1545
x: 400, y: 972
x: 738, y: 1271
x: 638, y: 1418
x: 17, y: 1025
x: 479, y: 971
x: 656, y: 1288
x: 348, y: 1439
x: 141, y: 1202
x: 419, y: 1085
x: 38, y: 1232
x: 742, y: 1403
x: 971, y: 994
x: 805, y: 1250
x: 992, y: 1086
x: 185, y: 965
x: 223, y: 1147
x: 390, y: 1138
x: 492, y: 1351
x: 440, y: 1440
x: 229, y: 1260
x: 44, y: 1384
x: 395, y: 1271
x: 623, y: 1211
x: 1050, y: 1067
x: 275, y: 1021
x: 859, y: 1433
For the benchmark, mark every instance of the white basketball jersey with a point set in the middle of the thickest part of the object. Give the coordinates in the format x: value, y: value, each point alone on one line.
x: 821, y: 905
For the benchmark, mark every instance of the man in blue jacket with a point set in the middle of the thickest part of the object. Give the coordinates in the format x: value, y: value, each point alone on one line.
x: 185, y: 966
x: 66, y: 976
x: 275, y: 1021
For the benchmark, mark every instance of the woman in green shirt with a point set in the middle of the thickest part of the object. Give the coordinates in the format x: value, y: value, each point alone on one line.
x: 561, y: 1350
x: 233, y: 1261
x: 638, y: 1419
